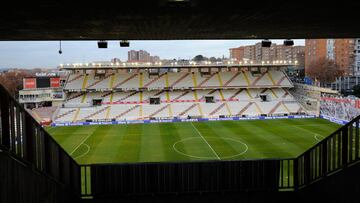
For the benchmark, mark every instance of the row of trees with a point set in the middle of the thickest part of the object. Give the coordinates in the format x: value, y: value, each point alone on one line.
x: 324, y: 71
x: 13, y: 81
x: 199, y: 58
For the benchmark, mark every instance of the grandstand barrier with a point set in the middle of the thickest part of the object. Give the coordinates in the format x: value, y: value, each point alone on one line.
x: 106, y: 180
x: 180, y: 120
x: 334, y: 120
x: 333, y: 154
x: 33, y: 166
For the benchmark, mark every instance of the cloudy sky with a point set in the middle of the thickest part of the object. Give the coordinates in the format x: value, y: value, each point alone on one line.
x: 42, y: 54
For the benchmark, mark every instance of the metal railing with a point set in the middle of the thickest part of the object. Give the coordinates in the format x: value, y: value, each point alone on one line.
x: 334, y: 153
x: 23, y: 139
x: 102, y: 180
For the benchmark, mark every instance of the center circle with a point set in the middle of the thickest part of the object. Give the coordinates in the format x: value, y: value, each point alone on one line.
x: 198, y: 144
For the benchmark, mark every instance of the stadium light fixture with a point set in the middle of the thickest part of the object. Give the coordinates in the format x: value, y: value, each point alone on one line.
x: 124, y: 43
x: 102, y: 44
x: 288, y: 42
x: 296, y: 62
x: 266, y: 43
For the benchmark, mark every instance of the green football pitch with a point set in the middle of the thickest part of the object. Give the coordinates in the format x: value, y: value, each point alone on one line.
x: 213, y: 140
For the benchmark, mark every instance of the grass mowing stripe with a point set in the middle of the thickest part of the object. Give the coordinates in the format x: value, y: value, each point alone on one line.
x: 217, y: 156
x: 242, y: 133
x: 217, y: 139
x: 151, y: 144
x: 169, y: 135
x: 275, y: 145
x: 290, y: 139
x: 190, y: 145
x: 130, y: 144
x: 278, y: 138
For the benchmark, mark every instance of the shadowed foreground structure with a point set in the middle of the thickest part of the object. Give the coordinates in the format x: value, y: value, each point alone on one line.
x: 169, y: 19
x: 34, y: 168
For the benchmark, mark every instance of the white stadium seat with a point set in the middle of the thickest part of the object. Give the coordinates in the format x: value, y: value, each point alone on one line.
x: 126, y: 96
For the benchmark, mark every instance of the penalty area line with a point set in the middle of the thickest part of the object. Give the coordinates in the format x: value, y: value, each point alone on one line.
x: 80, y: 144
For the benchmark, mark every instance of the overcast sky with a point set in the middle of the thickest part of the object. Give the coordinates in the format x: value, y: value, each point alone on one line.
x: 43, y: 54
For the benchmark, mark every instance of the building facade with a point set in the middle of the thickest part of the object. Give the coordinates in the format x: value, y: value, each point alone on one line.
x: 141, y: 56
x: 357, y: 57
x: 257, y: 53
x: 237, y: 53
x: 340, y: 50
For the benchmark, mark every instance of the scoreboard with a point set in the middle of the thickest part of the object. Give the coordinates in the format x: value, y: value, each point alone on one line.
x: 41, y: 82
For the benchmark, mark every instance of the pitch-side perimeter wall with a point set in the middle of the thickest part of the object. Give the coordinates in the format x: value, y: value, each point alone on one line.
x: 179, y: 120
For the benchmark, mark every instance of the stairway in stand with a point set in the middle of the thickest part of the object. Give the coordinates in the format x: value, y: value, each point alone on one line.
x: 217, y: 109
x: 64, y: 114
x: 244, y: 109
x: 98, y: 81
x: 127, y: 111
x: 159, y: 110
x: 75, y: 78
x: 97, y: 112
x: 78, y: 95
x: 187, y: 110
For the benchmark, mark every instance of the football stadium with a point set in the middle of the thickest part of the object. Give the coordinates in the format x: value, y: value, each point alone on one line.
x: 117, y: 129
x: 260, y: 102
x: 155, y: 116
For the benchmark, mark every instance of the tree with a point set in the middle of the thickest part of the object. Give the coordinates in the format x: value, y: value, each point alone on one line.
x: 356, y: 91
x: 199, y: 58
x: 212, y: 59
x: 12, y: 81
x: 324, y: 70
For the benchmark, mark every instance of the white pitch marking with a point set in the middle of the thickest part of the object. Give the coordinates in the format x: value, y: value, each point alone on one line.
x: 205, y: 141
x: 205, y: 157
x: 88, y: 147
x: 315, y: 134
x: 80, y: 144
x: 316, y: 137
